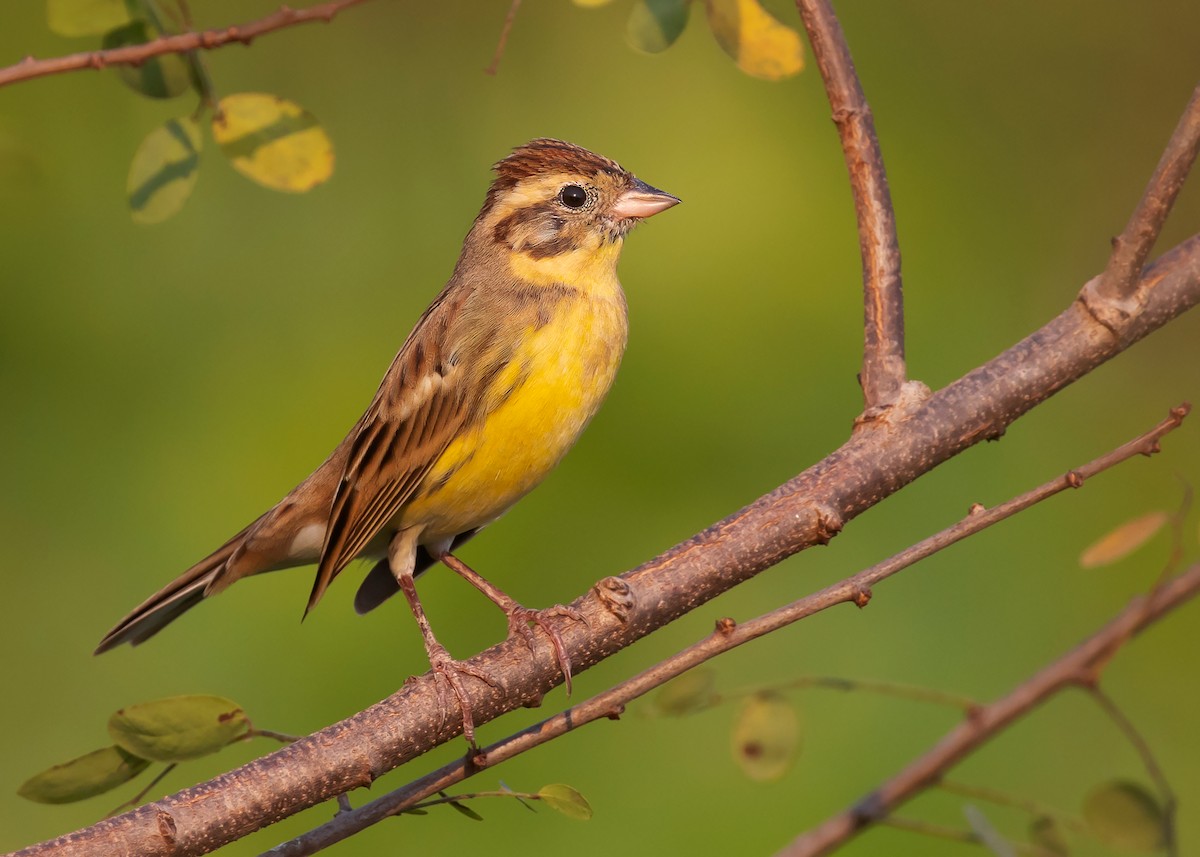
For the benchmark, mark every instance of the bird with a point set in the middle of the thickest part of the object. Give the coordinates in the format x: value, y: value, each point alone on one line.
x: 497, y: 380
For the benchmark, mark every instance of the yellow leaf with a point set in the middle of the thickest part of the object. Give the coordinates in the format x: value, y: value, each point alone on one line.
x: 273, y: 141
x: 1123, y: 540
x: 762, y: 46
x: 566, y: 800
x: 591, y: 4
x: 163, y: 171
x: 1125, y: 815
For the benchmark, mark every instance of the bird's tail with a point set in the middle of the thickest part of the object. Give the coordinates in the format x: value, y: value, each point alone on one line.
x: 174, y: 599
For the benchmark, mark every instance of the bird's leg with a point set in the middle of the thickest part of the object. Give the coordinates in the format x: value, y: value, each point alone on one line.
x: 519, y: 617
x: 401, y: 553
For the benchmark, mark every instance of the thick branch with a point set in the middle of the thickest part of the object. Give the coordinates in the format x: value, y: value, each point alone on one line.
x: 1077, y: 667
x: 728, y: 635
x: 809, y: 509
x: 29, y: 67
x: 883, y: 370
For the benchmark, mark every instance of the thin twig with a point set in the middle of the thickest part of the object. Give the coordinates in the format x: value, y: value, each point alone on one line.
x: 1075, y: 668
x: 1035, y: 808
x: 1132, y: 247
x: 500, y: 45
x: 970, y: 837
x: 1153, y: 769
x: 728, y: 635
x: 30, y: 67
x: 883, y: 371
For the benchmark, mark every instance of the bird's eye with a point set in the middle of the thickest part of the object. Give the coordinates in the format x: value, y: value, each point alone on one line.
x: 572, y: 196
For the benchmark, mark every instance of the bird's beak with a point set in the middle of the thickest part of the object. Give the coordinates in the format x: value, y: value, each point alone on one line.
x: 642, y: 201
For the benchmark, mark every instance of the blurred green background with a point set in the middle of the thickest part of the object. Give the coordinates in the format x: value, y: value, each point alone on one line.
x: 162, y: 386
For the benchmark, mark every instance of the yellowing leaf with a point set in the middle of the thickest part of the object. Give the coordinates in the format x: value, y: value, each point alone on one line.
x: 686, y: 694
x: 766, y: 737
x: 84, y: 777
x: 163, y: 171
x: 1123, y: 814
x: 158, y: 77
x: 566, y: 800
x: 591, y: 4
x: 85, y: 17
x: 273, y: 141
x: 1123, y: 540
x: 654, y: 25
x: 762, y: 46
x: 178, y: 727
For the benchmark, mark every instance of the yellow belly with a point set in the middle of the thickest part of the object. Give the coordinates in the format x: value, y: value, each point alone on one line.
x: 562, y: 371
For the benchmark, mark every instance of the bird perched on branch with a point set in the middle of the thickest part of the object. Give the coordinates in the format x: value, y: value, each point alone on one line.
x: 494, y: 384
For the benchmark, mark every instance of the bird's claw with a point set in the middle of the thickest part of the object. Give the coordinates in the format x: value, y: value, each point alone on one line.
x: 520, y: 620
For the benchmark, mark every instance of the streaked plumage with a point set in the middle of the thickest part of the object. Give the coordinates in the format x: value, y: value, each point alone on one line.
x: 494, y: 384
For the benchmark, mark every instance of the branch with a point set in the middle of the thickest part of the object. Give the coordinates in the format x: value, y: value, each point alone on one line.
x: 809, y: 509
x: 1076, y: 668
x: 883, y: 370
x: 134, y: 55
x: 728, y: 635
x: 1132, y: 247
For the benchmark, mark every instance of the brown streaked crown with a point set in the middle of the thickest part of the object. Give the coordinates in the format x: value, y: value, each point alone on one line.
x: 546, y: 155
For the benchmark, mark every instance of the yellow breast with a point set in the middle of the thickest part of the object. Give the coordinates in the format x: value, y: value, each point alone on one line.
x: 540, y: 403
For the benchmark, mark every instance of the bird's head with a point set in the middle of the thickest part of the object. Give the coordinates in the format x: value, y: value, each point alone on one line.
x: 551, y: 198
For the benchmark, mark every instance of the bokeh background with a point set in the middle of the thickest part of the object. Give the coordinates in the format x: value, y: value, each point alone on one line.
x: 162, y: 386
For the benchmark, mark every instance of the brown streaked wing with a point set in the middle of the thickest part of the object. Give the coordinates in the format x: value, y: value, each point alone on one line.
x: 415, y: 415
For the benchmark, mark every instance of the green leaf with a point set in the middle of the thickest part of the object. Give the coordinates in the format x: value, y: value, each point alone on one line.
x: 654, y: 25
x: 1124, y: 814
x: 465, y: 810
x: 178, y: 727
x: 762, y: 46
x: 163, y: 76
x: 686, y: 694
x: 1047, y: 834
x: 566, y: 800
x: 164, y: 171
x: 766, y: 737
x: 85, y: 17
x: 273, y: 141
x: 84, y: 777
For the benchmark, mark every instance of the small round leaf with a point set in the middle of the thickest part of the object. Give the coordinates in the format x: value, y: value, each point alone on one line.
x: 1047, y: 834
x: 686, y: 694
x: 85, y: 17
x: 164, y: 171
x: 1124, y: 814
x: 1123, y: 540
x: 762, y: 46
x: 84, y: 777
x: 654, y: 25
x: 178, y: 727
x: 566, y: 800
x: 273, y: 141
x: 766, y: 737
x: 163, y: 76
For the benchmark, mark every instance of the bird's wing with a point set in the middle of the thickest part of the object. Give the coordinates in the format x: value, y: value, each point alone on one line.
x: 420, y: 407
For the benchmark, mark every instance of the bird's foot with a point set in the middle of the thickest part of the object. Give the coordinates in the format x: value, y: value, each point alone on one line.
x: 520, y: 622
x: 451, y: 671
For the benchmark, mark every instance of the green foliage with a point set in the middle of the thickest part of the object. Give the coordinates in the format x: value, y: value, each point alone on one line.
x: 1124, y: 814
x: 566, y: 800
x: 178, y: 728
x: 654, y: 25
x: 164, y: 76
x: 84, y: 777
x: 164, y: 171
x: 1046, y: 833
x: 73, y: 18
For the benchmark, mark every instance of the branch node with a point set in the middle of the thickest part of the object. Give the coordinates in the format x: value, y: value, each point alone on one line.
x: 1114, y: 314
x: 828, y: 524
x: 476, y: 758
x: 615, y: 712
x: 617, y: 597
x: 976, y: 509
x: 726, y: 626
x: 166, y: 825
x: 1074, y: 479
x: 862, y: 597
x: 870, y: 809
